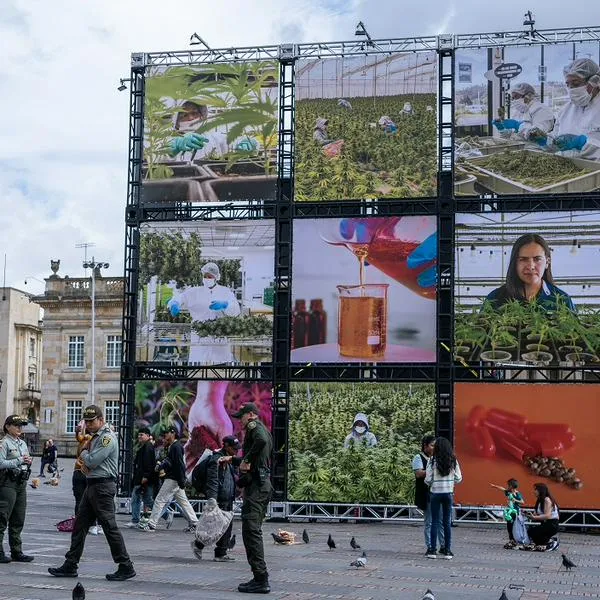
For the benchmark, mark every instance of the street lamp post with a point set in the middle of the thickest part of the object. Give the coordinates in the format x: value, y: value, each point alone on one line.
x: 95, y: 267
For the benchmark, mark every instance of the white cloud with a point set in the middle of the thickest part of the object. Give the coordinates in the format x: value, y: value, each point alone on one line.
x: 63, y: 156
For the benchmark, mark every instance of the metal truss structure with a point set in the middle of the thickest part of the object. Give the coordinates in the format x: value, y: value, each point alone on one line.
x: 281, y: 372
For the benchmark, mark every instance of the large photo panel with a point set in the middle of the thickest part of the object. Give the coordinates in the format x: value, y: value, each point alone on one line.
x: 200, y: 410
x: 355, y: 442
x: 527, y: 119
x: 364, y: 290
x: 526, y: 289
x: 532, y: 433
x: 366, y: 127
x: 206, y: 292
x: 211, y: 132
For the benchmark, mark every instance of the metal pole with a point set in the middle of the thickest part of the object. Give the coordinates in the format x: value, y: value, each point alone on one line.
x: 93, y: 333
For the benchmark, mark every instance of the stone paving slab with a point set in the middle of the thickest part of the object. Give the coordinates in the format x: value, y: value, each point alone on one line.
x: 396, y: 570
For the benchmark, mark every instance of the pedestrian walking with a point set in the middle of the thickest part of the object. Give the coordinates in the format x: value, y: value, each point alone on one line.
x: 15, y: 468
x: 144, y: 477
x: 173, y: 485
x: 99, y: 462
x: 255, y: 479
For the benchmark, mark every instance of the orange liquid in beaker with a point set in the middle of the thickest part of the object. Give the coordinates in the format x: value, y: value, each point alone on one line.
x: 362, y: 327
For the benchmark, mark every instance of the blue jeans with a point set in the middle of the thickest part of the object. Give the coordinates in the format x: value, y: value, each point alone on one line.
x: 427, y: 529
x: 443, y: 502
x: 138, y: 494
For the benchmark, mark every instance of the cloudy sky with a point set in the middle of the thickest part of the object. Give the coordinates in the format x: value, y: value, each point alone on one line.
x: 63, y: 156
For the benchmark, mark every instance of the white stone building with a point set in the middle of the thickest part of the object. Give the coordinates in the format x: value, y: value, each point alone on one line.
x: 20, y: 356
x: 67, y: 366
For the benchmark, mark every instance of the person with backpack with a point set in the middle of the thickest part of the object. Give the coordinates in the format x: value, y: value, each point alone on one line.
x: 173, y: 485
x: 419, y: 465
x: 217, y: 481
x: 441, y: 475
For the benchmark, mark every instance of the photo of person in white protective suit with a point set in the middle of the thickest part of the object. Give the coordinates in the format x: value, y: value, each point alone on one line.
x: 576, y: 133
x: 207, y: 302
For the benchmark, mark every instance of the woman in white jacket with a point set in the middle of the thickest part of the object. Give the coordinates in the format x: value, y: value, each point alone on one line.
x: 442, y: 473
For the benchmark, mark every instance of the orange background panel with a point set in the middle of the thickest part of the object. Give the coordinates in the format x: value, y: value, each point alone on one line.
x: 575, y: 405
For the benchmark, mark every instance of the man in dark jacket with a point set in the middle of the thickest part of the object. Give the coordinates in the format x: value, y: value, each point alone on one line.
x: 144, y: 477
x: 173, y: 485
x: 220, y: 485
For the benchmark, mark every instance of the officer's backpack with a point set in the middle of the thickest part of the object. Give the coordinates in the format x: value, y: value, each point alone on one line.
x: 200, y: 471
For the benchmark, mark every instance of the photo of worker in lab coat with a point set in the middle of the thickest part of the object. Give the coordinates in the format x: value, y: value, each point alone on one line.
x: 207, y: 302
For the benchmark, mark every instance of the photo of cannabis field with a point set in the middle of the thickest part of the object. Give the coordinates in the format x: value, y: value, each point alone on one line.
x: 320, y: 469
x: 366, y: 128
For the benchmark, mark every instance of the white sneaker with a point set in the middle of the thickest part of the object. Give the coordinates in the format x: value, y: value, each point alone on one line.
x: 131, y: 525
x: 93, y: 530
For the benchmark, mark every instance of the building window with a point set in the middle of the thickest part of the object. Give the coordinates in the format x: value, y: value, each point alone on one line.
x: 31, y: 381
x: 74, y: 414
x: 76, y: 351
x: 113, y: 351
x: 111, y: 412
x: 32, y: 347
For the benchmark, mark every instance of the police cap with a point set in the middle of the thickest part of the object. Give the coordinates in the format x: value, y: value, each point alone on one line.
x: 249, y: 407
x: 92, y: 412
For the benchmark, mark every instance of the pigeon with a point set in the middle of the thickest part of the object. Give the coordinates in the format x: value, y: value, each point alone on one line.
x: 361, y: 561
x: 503, y: 596
x: 305, y: 537
x: 330, y: 542
x: 353, y: 543
x: 567, y: 564
x: 78, y: 592
x: 428, y: 595
x: 231, y: 544
x: 278, y: 539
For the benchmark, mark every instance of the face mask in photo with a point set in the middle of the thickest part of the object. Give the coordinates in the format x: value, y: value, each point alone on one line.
x: 360, y: 429
x: 191, y: 125
x: 209, y: 282
x: 580, y: 96
x: 519, y: 106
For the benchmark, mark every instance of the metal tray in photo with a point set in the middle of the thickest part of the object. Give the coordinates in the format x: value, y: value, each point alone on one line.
x: 500, y: 184
x: 501, y: 147
x: 464, y: 183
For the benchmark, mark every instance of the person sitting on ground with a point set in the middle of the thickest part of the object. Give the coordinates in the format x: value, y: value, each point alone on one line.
x: 543, y: 536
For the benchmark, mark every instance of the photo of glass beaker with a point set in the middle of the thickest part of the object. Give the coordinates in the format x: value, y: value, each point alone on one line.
x: 362, y: 320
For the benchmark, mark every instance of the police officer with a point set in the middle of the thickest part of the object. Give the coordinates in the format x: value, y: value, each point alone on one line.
x: 15, y: 468
x: 99, y: 463
x: 255, y: 470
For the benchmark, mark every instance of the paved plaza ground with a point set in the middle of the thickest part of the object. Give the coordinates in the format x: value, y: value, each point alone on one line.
x: 397, y: 568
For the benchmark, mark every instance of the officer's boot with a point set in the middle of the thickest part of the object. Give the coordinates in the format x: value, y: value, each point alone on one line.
x: 259, y: 585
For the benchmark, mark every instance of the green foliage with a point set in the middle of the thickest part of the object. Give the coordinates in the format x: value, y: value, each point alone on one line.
x: 321, y: 415
x: 247, y: 326
x: 171, y: 257
x: 236, y: 93
x: 372, y: 164
x: 534, y: 169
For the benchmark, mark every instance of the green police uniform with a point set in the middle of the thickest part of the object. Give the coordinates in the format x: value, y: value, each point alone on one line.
x: 257, y: 449
x: 98, y: 503
x: 14, y: 472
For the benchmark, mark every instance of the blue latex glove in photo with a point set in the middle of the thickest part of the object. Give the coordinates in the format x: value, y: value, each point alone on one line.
x: 218, y: 305
x: 421, y: 255
x: 391, y: 128
x: 188, y: 142
x: 361, y: 228
x: 174, y: 308
x: 569, y: 141
x: 506, y: 124
x: 247, y: 145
